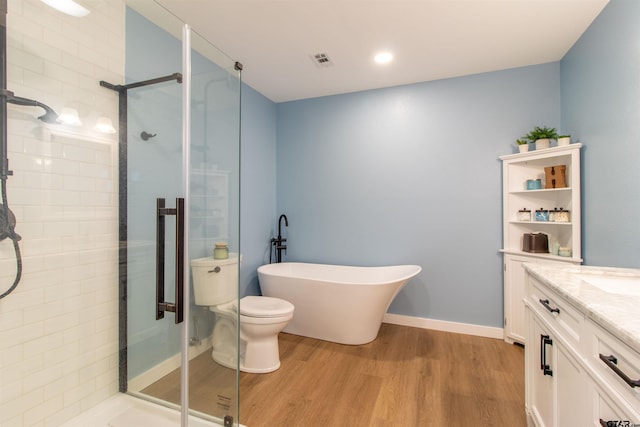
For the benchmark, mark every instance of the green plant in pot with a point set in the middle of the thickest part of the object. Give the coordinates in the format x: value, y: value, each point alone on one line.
x: 523, y: 144
x: 542, y: 136
x: 564, y: 140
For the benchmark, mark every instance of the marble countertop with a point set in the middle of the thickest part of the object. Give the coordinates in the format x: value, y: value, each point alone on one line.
x: 616, y: 311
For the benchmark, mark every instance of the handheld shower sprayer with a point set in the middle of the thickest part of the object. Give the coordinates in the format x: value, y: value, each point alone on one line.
x: 7, y: 218
x: 8, y: 224
x: 7, y: 230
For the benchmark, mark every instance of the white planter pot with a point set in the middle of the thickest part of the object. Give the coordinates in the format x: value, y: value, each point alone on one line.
x: 541, y: 144
x: 523, y: 148
x: 564, y: 141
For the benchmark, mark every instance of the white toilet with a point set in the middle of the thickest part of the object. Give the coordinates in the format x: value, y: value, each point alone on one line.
x: 215, y: 284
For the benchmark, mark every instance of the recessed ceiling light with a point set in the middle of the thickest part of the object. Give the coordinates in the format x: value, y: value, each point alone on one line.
x: 383, y: 57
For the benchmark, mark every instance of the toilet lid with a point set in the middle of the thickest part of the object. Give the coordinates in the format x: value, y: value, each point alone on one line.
x: 254, y: 306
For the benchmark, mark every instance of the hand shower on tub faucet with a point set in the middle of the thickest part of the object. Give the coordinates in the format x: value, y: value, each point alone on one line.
x: 278, y: 243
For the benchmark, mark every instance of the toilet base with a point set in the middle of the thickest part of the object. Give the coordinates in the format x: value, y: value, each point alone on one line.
x: 261, y: 370
x: 258, y: 352
x: 224, y: 359
x: 229, y: 361
x: 261, y: 354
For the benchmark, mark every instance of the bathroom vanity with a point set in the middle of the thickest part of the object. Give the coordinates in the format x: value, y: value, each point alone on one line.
x: 582, y: 358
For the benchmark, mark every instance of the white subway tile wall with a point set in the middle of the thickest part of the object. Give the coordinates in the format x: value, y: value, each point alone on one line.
x: 59, y: 328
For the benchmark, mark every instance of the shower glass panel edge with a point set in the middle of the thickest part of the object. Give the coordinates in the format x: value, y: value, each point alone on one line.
x: 214, y: 176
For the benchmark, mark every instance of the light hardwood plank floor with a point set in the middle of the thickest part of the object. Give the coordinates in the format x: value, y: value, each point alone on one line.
x: 407, y: 377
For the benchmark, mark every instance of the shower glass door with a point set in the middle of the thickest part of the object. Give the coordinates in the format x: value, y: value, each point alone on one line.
x: 182, y: 146
x: 214, y: 192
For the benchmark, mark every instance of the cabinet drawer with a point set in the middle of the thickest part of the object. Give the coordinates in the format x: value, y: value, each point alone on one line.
x: 607, y: 412
x: 621, y: 361
x: 556, y: 312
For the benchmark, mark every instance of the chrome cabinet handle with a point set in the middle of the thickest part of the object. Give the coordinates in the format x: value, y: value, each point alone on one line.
x: 611, y: 361
x: 545, y: 303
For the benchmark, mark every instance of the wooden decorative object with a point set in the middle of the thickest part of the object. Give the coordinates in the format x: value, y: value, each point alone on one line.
x: 555, y: 176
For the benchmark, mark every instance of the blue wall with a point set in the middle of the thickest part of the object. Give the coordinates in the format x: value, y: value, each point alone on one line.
x: 600, y: 79
x: 411, y: 175
x: 258, y: 185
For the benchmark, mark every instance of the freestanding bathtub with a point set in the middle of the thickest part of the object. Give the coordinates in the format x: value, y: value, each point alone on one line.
x: 342, y: 304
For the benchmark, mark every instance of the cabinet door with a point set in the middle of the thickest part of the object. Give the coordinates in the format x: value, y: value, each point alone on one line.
x: 514, y: 293
x: 607, y: 412
x: 541, y: 393
x: 571, y: 389
x: 514, y: 274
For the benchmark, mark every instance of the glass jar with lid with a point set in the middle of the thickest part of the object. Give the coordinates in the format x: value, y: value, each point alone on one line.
x: 524, y: 214
x: 561, y: 215
x: 221, y: 251
x: 542, y: 215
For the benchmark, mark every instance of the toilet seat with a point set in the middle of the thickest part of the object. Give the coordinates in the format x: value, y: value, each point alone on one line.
x: 264, y: 307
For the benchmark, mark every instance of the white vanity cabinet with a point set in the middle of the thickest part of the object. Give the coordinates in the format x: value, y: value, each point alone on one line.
x: 517, y: 169
x: 567, y: 382
x: 555, y: 379
x: 607, y: 411
x: 615, y: 387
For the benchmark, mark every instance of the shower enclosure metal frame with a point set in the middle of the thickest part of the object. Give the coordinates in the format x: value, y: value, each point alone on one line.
x: 122, y: 216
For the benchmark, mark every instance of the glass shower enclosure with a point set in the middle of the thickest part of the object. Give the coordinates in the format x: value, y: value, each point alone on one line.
x: 110, y: 221
x: 182, y: 186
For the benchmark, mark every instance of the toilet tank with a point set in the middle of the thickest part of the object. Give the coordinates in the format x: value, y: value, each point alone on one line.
x: 215, y: 281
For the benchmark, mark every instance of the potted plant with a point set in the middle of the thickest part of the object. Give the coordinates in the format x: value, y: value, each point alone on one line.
x: 564, y: 140
x: 523, y: 144
x: 542, y: 136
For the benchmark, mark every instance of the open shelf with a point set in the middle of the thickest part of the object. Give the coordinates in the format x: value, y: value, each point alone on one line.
x: 516, y: 170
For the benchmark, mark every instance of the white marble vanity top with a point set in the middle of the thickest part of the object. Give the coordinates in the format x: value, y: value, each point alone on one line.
x: 608, y: 296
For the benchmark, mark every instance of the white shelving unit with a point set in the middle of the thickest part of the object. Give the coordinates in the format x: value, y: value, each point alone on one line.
x: 516, y: 170
x: 210, y: 205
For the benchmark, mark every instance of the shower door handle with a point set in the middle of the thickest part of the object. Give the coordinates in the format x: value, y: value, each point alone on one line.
x: 161, y: 304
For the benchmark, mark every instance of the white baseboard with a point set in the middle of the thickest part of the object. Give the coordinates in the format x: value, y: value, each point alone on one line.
x: 152, y: 375
x: 443, y: 325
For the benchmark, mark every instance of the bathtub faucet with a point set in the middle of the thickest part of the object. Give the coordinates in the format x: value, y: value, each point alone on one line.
x: 279, y: 242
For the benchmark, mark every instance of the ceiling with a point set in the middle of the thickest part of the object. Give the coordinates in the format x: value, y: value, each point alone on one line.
x: 275, y: 40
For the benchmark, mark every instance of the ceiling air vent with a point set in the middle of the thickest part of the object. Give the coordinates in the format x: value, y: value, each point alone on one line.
x: 321, y: 60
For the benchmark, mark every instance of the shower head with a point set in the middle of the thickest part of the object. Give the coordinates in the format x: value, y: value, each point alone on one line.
x: 49, y: 115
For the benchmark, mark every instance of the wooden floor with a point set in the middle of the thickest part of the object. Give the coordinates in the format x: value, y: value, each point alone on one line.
x: 407, y: 377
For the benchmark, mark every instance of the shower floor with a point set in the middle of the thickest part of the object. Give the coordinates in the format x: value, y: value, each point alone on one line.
x: 123, y: 410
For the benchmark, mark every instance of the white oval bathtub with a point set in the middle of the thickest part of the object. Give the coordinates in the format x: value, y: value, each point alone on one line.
x: 342, y: 304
